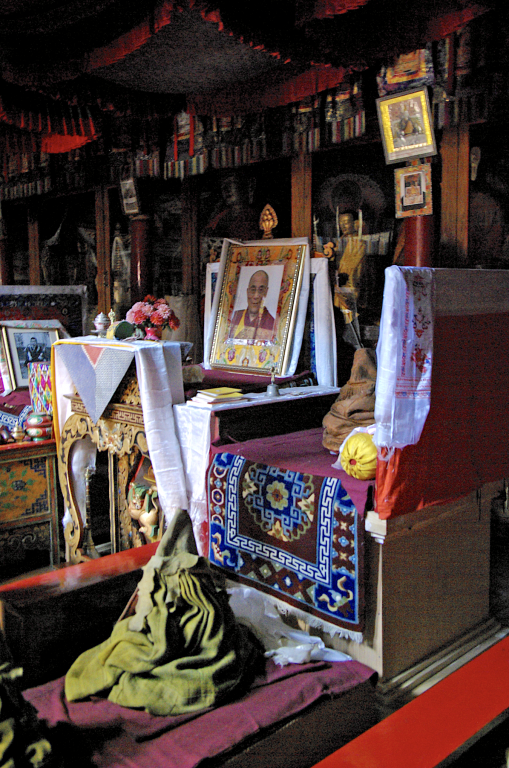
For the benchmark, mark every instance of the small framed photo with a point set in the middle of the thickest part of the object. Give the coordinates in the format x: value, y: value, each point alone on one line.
x: 406, y: 127
x: 129, y: 195
x: 22, y: 346
x: 413, y: 191
x: 258, y: 305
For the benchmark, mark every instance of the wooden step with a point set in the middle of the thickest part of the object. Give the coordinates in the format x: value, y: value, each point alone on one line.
x: 439, y: 724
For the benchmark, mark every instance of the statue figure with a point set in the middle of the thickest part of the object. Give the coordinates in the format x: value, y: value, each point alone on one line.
x: 142, y: 501
x: 350, y: 267
x: 121, y: 271
x: 236, y: 216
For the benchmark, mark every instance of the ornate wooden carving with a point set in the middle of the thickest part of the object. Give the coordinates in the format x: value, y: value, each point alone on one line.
x: 120, y: 432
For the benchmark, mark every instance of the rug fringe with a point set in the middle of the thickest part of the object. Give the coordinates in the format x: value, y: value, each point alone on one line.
x: 313, y: 621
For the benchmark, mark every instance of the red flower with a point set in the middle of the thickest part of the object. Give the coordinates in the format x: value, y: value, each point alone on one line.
x: 157, y: 319
x: 139, y: 317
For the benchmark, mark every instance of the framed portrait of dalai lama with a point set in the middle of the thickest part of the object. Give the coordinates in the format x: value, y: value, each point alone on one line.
x: 256, y: 311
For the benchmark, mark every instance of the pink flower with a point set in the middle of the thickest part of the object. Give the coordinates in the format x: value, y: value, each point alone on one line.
x: 136, y: 316
x: 134, y: 309
x: 152, y: 312
x: 163, y: 310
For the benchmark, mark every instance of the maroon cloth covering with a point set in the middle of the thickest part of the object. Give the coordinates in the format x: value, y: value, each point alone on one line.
x: 465, y: 440
x: 15, y: 401
x: 245, y: 381
x: 107, y: 735
x: 301, y: 452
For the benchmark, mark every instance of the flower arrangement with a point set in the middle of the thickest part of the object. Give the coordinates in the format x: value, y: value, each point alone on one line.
x: 151, y: 316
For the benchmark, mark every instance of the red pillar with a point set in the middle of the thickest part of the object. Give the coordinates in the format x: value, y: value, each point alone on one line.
x: 419, y: 241
x: 140, y: 278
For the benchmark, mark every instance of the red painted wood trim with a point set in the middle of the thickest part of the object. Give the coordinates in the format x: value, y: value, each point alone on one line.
x: 419, y: 241
x: 26, y: 444
x: 433, y: 726
x: 74, y: 577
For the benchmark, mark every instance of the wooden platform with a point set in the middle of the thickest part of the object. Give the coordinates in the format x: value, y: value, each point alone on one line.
x: 440, y: 724
x: 48, y: 619
x: 427, y: 577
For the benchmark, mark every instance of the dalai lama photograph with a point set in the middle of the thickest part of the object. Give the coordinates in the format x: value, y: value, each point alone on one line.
x: 254, y: 315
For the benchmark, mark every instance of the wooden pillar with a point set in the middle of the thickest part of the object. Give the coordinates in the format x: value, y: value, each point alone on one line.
x: 34, y: 256
x: 302, y: 224
x: 140, y: 272
x: 190, y: 238
x: 455, y: 153
x: 6, y: 275
x: 102, y: 240
x: 419, y: 241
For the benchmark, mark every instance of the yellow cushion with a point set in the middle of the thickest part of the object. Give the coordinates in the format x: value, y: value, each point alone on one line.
x: 358, y: 457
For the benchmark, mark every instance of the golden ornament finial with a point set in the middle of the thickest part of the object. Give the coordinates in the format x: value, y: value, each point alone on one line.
x: 268, y: 220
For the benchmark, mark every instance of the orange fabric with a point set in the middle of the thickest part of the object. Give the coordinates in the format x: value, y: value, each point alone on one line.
x: 327, y: 8
x: 465, y: 441
x: 55, y: 143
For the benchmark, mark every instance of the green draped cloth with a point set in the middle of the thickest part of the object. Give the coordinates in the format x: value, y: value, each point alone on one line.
x: 182, y: 650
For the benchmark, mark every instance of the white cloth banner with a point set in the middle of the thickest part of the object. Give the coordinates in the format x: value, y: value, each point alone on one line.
x: 325, y: 326
x: 193, y: 430
x: 404, y: 356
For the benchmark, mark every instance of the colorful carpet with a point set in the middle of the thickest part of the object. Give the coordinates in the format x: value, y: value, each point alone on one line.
x: 295, y: 536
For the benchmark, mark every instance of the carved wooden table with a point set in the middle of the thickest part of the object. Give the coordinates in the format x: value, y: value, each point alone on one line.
x: 121, y: 432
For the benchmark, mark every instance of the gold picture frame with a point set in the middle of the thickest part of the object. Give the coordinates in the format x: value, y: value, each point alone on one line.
x: 257, y: 308
x: 23, y: 345
x: 406, y: 126
x: 413, y: 191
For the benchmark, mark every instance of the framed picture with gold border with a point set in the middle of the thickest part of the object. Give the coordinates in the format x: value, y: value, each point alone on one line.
x: 257, y: 307
x: 406, y: 126
x: 413, y: 191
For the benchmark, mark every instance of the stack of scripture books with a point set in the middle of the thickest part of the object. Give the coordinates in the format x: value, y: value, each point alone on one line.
x: 216, y: 396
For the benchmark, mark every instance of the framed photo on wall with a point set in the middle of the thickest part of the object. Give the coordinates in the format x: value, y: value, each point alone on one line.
x: 26, y: 345
x: 406, y: 127
x: 257, y: 307
x: 129, y: 196
x: 413, y: 191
